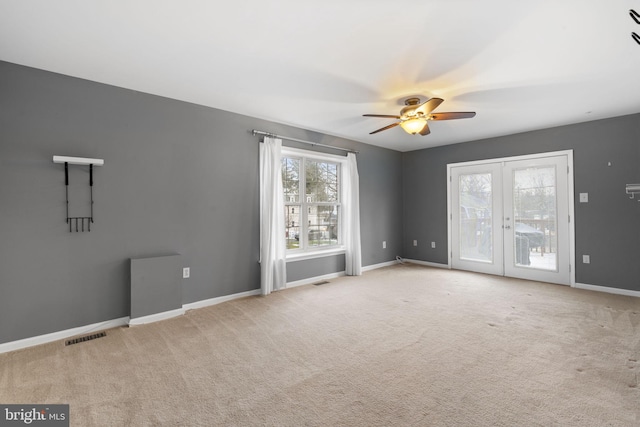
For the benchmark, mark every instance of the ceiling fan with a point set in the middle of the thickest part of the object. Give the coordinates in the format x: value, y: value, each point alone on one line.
x: 414, y: 117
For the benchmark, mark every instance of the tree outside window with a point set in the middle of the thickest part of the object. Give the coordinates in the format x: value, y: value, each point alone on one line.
x: 312, y: 203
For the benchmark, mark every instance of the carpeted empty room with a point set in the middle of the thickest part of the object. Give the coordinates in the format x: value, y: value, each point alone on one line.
x: 405, y: 345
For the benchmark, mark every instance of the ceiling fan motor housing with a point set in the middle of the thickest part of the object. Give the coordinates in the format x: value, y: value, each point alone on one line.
x: 410, y: 109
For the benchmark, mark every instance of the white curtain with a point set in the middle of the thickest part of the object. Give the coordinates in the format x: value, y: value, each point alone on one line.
x: 273, y: 266
x: 351, y: 187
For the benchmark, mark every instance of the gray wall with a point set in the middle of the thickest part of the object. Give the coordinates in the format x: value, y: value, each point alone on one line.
x: 178, y: 178
x: 607, y: 228
x: 182, y: 178
x: 300, y: 270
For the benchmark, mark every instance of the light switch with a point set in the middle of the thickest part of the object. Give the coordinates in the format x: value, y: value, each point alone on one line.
x: 584, y: 197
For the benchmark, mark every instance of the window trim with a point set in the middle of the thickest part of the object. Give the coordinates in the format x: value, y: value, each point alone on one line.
x: 317, y: 252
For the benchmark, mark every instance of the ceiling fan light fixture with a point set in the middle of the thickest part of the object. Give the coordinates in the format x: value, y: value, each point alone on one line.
x: 414, y: 117
x: 413, y: 125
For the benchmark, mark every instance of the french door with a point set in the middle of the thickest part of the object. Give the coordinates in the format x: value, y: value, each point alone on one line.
x: 512, y: 217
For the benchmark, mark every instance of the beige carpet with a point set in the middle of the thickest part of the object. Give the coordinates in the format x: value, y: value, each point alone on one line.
x: 400, y: 346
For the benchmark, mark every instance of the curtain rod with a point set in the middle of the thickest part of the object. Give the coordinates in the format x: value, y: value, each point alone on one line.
x: 273, y: 135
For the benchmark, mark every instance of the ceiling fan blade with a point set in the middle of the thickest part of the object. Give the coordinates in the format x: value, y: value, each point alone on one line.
x: 385, y: 116
x: 452, y: 116
x: 425, y: 130
x: 392, y: 125
x: 429, y: 106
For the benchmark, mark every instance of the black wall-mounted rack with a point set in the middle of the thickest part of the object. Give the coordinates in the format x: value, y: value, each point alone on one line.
x: 78, y: 222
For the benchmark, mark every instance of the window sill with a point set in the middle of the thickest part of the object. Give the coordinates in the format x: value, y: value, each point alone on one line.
x: 300, y: 256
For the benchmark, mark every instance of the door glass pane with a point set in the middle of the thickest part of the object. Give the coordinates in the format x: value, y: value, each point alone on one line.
x: 534, y: 214
x: 475, y: 217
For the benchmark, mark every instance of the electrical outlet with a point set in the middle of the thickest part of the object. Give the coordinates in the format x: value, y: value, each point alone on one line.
x: 586, y: 259
x: 186, y: 273
x: 584, y: 197
x: 433, y: 245
x: 415, y: 243
x: 384, y: 244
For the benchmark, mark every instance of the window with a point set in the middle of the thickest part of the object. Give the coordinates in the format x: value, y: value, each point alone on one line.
x: 312, y: 199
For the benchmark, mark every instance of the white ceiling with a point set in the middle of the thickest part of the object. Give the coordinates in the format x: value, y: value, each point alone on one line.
x: 321, y: 65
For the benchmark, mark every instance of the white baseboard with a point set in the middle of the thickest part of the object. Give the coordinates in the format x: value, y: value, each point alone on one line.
x: 427, y: 263
x: 381, y: 265
x: 608, y: 290
x: 60, y: 335
x: 115, y: 323
x: 124, y: 321
x: 595, y: 288
x: 311, y: 280
x: 366, y: 268
x: 218, y: 300
x: 315, y: 279
x: 156, y: 317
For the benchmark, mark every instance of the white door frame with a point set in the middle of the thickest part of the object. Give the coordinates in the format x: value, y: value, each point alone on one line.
x: 570, y: 194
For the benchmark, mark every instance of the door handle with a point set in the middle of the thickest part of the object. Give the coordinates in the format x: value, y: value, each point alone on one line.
x: 507, y: 227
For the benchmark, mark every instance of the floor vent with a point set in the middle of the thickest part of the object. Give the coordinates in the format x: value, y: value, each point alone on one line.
x: 324, y: 282
x: 85, y: 338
